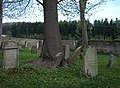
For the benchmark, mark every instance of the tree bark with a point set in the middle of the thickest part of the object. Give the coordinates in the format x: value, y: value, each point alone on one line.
x: 1, y: 21
x: 82, y: 4
x: 52, y: 52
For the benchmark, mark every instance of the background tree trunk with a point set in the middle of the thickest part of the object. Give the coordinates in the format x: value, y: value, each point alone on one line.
x: 82, y: 4
x: 1, y: 21
x: 52, y: 53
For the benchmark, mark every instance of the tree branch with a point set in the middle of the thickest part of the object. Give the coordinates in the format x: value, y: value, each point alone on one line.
x: 97, y: 4
x: 39, y: 2
x: 60, y: 1
x: 12, y: 1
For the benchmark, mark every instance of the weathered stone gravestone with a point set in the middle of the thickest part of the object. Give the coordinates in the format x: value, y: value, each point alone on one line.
x: 10, y: 54
x: 39, y: 44
x: 29, y: 46
x: 111, y: 60
x: 72, y: 59
x: 90, y: 63
x: 34, y: 49
x: 26, y: 43
x: 66, y: 51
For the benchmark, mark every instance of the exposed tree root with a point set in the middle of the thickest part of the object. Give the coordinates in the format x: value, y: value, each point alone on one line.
x: 43, y: 63
x: 52, y: 64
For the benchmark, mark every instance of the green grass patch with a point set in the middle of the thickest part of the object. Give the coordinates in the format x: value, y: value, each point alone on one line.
x: 26, y: 54
x: 29, y: 76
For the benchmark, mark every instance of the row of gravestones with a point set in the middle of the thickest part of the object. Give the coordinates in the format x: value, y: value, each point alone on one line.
x: 30, y: 44
x: 10, y: 55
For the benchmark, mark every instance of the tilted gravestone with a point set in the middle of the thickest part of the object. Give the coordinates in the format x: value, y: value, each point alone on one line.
x: 90, y: 63
x: 10, y: 54
x: 72, y: 59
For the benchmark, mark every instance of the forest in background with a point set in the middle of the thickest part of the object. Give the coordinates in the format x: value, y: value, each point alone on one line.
x: 70, y: 30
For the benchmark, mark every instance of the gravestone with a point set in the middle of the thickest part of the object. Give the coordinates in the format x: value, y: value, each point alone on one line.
x: 66, y: 51
x: 90, y: 63
x: 10, y: 54
x: 34, y: 49
x: 39, y: 44
x: 26, y: 44
x: 111, y: 60
x: 72, y: 59
x: 29, y: 45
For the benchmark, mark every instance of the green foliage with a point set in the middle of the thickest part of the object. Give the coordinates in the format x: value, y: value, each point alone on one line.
x: 70, y: 30
x: 26, y: 54
x: 106, y: 30
x: 29, y: 76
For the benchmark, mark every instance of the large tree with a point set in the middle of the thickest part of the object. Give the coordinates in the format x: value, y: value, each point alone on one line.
x: 52, y: 53
x: 85, y: 7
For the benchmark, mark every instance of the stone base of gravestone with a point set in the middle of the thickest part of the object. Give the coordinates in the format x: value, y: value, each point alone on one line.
x: 10, y: 54
x: 34, y: 50
x: 90, y: 63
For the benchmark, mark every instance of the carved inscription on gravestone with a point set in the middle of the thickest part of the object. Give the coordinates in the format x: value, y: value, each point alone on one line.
x: 90, y: 62
x: 10, y: 54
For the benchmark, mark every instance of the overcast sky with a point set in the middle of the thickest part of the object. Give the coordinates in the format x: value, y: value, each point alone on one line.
x: 111, y: 11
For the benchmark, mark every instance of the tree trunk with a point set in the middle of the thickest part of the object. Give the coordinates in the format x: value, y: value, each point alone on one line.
x: 52, y: 53
x: 1, y: 21
x: 82, y: 4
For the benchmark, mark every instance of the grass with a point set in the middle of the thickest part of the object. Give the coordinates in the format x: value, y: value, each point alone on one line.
x: 26, y: 55
x: 29, y: 76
